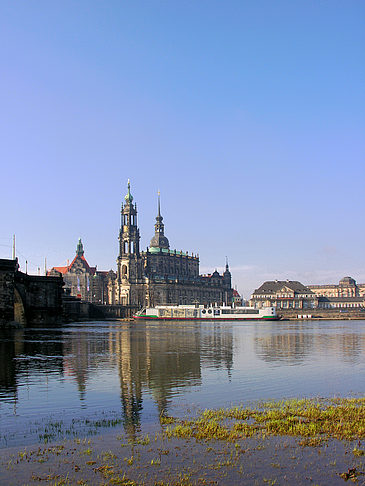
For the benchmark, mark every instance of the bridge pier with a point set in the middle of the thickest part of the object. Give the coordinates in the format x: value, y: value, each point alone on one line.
x: 28, y: 299
x: 7, y: 278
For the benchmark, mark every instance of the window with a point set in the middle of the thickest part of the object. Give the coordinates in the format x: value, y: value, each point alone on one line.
x: 240, y: 311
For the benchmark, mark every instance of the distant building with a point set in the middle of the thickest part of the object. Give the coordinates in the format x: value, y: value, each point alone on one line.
x: 160, y: 275
x: 84, y: 281
x: 347, y: 287
x: 284, y: 294
x: 341, y: 302
x: 236, y: 298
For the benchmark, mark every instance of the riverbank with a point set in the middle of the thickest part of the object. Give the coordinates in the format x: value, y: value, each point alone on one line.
x: 276, y: 443
x: 322, y: 314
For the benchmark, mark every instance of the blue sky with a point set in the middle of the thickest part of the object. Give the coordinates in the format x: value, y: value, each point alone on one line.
x: 247, y: 115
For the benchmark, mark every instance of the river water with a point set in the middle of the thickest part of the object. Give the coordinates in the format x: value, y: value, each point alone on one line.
x: 88, y: 377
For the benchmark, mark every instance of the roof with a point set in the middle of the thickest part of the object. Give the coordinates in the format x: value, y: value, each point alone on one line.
x: 347, y: 281
x: 103, y: 273
x: 273, y: 286
x: 66, y: 269
x: 154, y: 250
x: 215, y: 274
x: 322, y: 286
x: 62, y: 270
x: 235, y: 293
x: 91, y: 270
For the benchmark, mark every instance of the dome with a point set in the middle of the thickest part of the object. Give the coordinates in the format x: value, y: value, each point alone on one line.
x: 160, y: 241
x: 347, y: 281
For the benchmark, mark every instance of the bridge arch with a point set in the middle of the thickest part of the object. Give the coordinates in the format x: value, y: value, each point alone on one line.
x: 19, y: 308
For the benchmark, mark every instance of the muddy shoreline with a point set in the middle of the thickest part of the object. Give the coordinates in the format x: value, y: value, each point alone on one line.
x: 198, y: 451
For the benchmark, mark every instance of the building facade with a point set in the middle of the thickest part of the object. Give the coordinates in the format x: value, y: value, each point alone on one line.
x: 160, y: 275
x: 83, y: 281
x: 341, y: 302
x: 347, y: 287
x: 288, y: 294
x: 284, y: 294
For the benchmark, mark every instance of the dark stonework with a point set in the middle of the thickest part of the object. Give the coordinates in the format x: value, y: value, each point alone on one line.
x: 7, y: 276
x: 28, y: 299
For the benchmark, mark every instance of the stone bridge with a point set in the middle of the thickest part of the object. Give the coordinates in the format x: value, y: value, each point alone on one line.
x: 28, y: 299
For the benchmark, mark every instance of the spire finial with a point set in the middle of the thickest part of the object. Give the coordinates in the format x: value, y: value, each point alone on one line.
x: 129, y: 198
x: 159, y: 204
x: 80, y: 248
x: 227, y: 266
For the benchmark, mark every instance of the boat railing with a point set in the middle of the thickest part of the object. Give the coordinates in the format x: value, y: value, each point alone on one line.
x: 141, y: 311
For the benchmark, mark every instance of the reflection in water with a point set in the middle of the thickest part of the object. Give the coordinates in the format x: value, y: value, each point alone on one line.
x: 159, y: 359
x: 144, y: 369
x: 8, y: 352
x: 294, y: 346
x: 277, y: 346
x: 22, y: 356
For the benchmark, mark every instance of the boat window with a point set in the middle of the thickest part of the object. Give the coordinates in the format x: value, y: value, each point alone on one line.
x: 240, y: 311
x: 209, y: 311
x: 204, y: 311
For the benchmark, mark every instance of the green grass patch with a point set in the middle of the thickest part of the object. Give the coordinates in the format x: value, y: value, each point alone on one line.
x: 314, y: 420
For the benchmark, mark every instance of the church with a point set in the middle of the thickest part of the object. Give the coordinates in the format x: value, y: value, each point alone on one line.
x: 160, y: 275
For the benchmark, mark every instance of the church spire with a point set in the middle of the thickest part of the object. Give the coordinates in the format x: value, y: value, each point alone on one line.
x: 227, y: 276
x: 159, y: 240
x: 159, y: 218
x: 80, y: 248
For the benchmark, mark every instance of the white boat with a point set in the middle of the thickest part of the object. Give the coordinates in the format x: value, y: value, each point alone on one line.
x: 201, y: 312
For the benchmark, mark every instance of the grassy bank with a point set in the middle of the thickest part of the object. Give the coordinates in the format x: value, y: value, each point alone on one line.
x: 317, y: 420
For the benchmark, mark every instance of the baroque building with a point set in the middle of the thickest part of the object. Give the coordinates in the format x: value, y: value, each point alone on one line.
x: 83, y: 281
x: 160, y: 275
x: 284, y: 294
x: 347, y: 287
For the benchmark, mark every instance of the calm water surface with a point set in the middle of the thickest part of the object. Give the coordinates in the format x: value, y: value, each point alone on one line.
x: 55, y: 382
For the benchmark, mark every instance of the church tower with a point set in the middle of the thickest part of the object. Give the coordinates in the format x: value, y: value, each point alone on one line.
x: 159, y: 240
x: 129, y: 260
x: 227, y: 282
